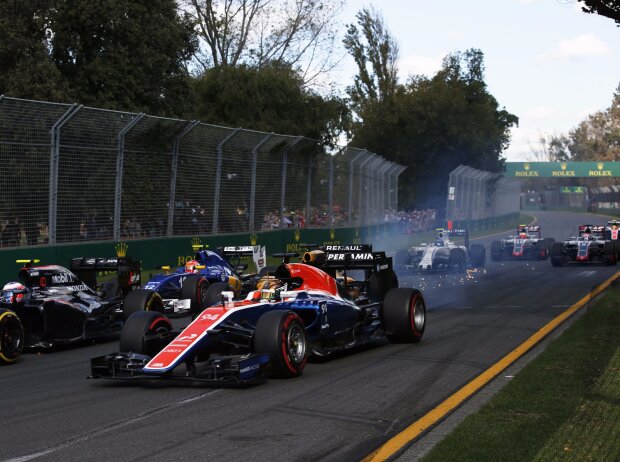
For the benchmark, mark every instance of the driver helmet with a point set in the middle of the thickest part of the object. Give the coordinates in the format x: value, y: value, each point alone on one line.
x: 191, y: 266
x: 13, y: 292
x: 269, y: 282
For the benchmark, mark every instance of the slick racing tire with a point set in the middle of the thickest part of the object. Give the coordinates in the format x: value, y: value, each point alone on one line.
x: 11, y: 336
x: 557, y: 259
x: 543, y: 252
x: 401, y: 259
x: 457, y: 260
x: 195, y: 289
x: 282, y: 335
x: 142, y: 300
x: 266, y: 270
x: 477, y: 255
x: 610, y: 256
x: 549, y: 241
x: 496, y: 250
x: 214, y: 293
x: 404, y: 315
x: 142, y: 333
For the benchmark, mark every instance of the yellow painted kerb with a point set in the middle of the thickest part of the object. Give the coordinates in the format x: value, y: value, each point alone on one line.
x: 432, y: 417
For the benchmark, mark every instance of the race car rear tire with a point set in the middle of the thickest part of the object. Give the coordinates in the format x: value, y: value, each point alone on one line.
x: 404, y: 315
x: 195, y: 289
x: 143, y: 331
x: 401, y: 259
x: 477, y: 255
x: 214, y: 293
x: 282, y: 335
x: 543, y: 252
x: 610, y: 253
x: 457, y: 260
x: 11, y: 336
x: 557, y: 259
x: 496, y: 251
x: 142, y: 300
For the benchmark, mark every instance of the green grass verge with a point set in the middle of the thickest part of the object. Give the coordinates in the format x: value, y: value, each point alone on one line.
x: 564, y: 405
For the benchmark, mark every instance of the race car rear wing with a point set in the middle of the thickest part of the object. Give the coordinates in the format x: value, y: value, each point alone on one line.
x: 593, y: 230
x: 346, y: 257
x: 127, y: 270
x: 530, y: 230
x: 257, y: 252
x: 454, y: 232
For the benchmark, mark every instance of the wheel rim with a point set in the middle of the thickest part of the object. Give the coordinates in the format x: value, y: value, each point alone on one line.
x: 418, y: 314
x: 296, y: 343
x: 11, y: 338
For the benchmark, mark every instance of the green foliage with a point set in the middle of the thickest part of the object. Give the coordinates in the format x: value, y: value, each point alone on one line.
x: 124, y: 55
x: 26, y: 69
x: 608, y: 8
x: 269, y: 99
x: 432, y: 125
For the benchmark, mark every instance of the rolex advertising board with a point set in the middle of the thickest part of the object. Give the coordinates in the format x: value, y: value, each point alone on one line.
x: 562, y: 169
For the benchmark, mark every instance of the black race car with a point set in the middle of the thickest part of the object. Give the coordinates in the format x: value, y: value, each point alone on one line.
x: 50, y: 305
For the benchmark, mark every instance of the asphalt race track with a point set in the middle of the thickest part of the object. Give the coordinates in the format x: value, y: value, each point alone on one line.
x: 340, y: 409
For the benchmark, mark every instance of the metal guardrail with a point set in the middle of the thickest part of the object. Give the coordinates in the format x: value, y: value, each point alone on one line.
x: 73, y: 173
x: 476, y: 196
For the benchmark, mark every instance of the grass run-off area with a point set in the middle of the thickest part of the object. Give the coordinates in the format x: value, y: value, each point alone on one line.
x: 564, y: 405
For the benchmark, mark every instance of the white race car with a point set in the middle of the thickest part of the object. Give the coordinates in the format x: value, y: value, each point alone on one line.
x: 527, y: 243
x: 442, y: 255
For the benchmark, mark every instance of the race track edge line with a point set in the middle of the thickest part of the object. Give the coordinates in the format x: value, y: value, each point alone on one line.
x: 393, y: 445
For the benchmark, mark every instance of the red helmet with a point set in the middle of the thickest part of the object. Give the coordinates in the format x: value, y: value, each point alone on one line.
x: 191, y: 266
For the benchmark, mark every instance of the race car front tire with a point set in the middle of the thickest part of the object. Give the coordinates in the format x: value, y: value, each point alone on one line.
x: 404, y: 315
x: 557, y: 259
x: 11, y: 336
x: 610, y: 253
x: 214, y: 293
x: 401, y: 259
x: 142, y: 300
x: 496, y: 251
x: 282, y: 335
x: 477, y: 255
x: 143, y: 333
x: 195, y: 289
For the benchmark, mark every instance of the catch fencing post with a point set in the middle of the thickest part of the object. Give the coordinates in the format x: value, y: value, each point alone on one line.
x: 399, y: 172
x: 370, y: 189
x: 173, y: 173
x: 381, y: 180
x: 218, y: 179
x: 331, y: 190
x: 309, y: 191
x: 361, y: 188
x: 283, y: 183
x: 54, y: 160
x: 351, y: 176
x: 255, y: 150
x: 118, y: 188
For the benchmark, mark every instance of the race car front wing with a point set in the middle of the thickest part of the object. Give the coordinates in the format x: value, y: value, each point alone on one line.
x: 220, y: 370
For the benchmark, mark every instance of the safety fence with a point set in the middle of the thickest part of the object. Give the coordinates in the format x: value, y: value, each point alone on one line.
x: 72, y: 173
x: 479, y: 199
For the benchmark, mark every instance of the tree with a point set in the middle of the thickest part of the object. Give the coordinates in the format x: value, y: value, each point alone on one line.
x: 26, y: 69
x: 608, y: 8
x: 124, y: 55
x: 269, y: 99
x: 375, y: 52
x: 300, y: 33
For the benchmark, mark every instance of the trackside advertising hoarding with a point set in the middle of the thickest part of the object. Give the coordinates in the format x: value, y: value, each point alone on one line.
x: 562, y: 169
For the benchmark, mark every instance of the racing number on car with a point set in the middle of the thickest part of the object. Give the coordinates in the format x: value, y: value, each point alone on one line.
x: 209, y: 317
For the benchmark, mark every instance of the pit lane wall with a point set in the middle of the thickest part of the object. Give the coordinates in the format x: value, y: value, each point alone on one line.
x: 176, y: 250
